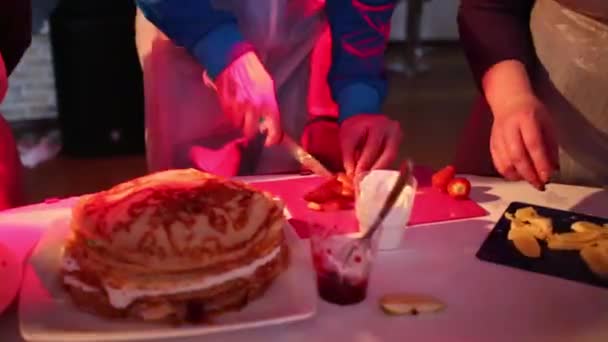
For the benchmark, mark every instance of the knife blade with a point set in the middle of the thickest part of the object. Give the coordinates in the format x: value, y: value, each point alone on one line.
x: 305, y: 158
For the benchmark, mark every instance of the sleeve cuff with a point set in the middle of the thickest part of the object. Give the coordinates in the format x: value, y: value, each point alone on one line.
x: 221, y: 47
x: 358, y: 98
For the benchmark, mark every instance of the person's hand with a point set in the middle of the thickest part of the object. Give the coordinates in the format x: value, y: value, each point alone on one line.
x: 369, y: 141
x: 247, y: 96
x: 523, y: 143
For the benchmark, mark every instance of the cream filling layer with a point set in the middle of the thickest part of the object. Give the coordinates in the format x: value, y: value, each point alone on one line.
x: 120, y: 298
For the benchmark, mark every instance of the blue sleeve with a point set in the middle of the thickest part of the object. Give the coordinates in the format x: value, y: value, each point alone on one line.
x: 211, y: 35
x: 360, y: 31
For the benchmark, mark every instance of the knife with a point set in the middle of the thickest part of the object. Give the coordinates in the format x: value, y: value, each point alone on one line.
x: 305, y: 158
x: 300, y: 154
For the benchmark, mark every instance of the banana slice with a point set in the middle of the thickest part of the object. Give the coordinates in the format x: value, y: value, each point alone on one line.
x: 584, y: 226
x: 527, y: 245
x: 410, y: 304
x: 525, y: 214
x: 595, y: 256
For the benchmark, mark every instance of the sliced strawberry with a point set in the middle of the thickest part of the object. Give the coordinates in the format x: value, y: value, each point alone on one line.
x: 324, y: 192
x: 314, y: 206
x: 459, y: 188
x: 442, y: 177
x: 334, y: 194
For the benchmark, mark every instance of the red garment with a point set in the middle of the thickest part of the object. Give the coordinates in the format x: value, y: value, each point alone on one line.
x: 320, y: 101
x: 321, y: 134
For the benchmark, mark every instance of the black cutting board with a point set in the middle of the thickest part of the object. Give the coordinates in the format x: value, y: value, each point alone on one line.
x: 563, y: 264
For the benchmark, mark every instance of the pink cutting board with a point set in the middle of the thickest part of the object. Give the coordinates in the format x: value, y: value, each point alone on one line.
x: 430, y: 205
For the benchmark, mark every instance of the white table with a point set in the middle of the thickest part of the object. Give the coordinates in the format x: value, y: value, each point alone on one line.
x: 485, y: 302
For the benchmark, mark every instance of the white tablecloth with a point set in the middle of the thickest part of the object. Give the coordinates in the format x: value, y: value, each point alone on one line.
x: 485, y: 302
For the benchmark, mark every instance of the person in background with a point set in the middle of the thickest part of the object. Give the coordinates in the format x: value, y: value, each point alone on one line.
x: 542, y: 67
x: 15, y: 38
x: 218, y: 72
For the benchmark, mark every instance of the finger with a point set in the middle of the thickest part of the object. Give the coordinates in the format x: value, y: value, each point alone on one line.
x: 551, y: 143
x: 371, y: 151
x: 532, y: 136
x: 500, y: 156
x: 392, y: 142
x: 349, y: 139
x: 519, y: 156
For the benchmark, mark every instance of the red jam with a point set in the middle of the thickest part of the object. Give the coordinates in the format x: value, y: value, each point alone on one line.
x: 335, y: 289
x: 340, y: 291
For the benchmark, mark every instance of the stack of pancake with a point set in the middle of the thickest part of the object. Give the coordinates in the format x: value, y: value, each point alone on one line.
x: 177, y: 246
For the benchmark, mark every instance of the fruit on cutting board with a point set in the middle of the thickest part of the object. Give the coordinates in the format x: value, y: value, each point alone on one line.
x: 590, y: 239
x: 595, y: 256
x: 459, y: 188
x: 334, y: 194
x: 442, y: 178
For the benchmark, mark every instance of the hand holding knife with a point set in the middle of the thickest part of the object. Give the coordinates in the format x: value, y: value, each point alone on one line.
x: 301, y: 155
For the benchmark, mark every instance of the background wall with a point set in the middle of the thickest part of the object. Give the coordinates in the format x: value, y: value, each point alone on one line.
x: 438, y: 20
x: 31, y: 93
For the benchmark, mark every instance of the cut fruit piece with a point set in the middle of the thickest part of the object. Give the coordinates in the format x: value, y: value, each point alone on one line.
x: 334, y: 194
x: 573, y: 241
x: 441, y: 178
x: 410, y: 304
x: 584, y: 226
x: 526, y: 213
x: 560, y: 245
x: 595, y: 256
x: 518, y: 229
x: 527, y: 245
x: 314, y: 206
x: 541, y: 227
x: 577, y: 237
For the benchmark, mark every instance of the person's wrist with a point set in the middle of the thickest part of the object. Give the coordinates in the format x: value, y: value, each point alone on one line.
x: 514, y: 103
x: 220, y: 48
x: 355, y: 99
x: 240, y: 70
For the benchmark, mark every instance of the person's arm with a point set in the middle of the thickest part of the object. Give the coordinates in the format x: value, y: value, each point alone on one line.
x: 15, y: 31
x: 211, y: 35
x: 360, y: 31
x: 498, y: 44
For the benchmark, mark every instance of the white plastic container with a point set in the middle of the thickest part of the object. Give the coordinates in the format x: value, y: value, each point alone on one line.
x: 372, y: 188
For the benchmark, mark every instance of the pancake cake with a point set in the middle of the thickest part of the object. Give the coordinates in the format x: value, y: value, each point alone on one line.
x: 174, y: 246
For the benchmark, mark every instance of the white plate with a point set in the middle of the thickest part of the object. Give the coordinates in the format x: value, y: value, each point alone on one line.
x: 47, y: 313
x: 10, y: 274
